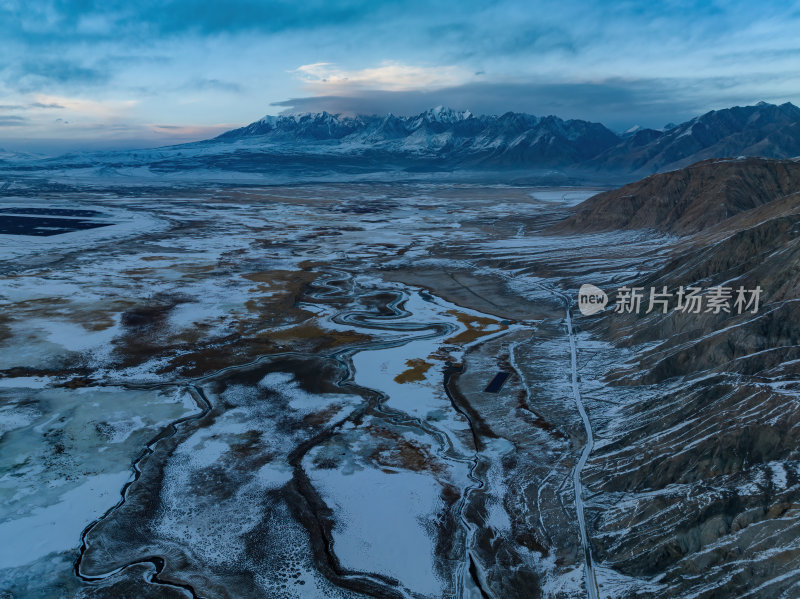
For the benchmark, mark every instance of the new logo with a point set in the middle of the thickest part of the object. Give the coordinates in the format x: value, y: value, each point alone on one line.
x: 591, y: 299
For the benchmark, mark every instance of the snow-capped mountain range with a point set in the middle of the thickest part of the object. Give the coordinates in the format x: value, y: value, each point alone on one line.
x: 763, y: 130
x: 460, y: 137
x: 332, y: 146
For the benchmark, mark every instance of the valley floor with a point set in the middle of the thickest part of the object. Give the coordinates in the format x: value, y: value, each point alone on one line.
x: 282, y: 392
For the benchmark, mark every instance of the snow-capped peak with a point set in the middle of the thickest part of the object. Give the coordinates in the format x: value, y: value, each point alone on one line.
x: 443, y: 114
x: 299, y: 116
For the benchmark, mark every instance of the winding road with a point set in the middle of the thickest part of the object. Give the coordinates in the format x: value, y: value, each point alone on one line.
x: 591, y: 579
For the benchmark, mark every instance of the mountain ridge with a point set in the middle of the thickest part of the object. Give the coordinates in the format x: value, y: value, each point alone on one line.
x: 762, y: 130
x: 459, y: 136
x: 325, y: 146
x: 686, y: 201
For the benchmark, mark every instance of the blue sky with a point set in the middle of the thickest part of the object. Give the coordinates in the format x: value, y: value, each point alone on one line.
x: 91, y: 73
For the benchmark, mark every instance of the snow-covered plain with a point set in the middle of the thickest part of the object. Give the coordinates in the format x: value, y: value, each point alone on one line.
x: 292, y: 380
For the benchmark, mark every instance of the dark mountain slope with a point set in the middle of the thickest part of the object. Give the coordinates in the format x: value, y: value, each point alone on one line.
x: 687, y: 200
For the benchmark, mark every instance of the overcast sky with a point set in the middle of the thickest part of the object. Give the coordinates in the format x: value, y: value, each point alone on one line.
x: 108, y: 73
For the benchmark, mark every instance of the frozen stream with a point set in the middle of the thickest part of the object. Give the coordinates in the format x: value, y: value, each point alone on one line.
x: 373, y: 506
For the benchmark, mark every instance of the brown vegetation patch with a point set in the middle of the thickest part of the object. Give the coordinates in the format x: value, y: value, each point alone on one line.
x: 209, y: 359
x: 146, y: 315
x: 5, y: 330
x: 476, y: 326
x: 260, y: 277
x: 417, y: 367
x: 289, y: 284
x: 89, y: 317
x: 323, y: 417
x: 94, y: 320
x: 138, y: 272
x: 321, y: 338
x: 197, y: 269
x: 157, y: 258
x: 395, y: 451
x: 77, y: 382
x: 247, y: 452
x: 442, y: 354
